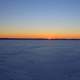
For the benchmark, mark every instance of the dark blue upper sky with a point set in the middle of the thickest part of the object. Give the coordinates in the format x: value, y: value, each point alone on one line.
x: 40, y: 16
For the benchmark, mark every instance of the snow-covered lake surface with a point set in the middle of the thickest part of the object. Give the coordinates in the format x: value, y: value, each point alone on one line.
x: 39, y: 59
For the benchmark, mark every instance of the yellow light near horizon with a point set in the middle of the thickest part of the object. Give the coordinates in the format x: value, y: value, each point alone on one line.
x: 48, y: 36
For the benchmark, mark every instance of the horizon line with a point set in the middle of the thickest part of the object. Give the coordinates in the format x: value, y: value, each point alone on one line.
x: 39, y: 39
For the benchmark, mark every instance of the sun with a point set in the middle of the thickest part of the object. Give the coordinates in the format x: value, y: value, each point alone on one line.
x: 49, y: 38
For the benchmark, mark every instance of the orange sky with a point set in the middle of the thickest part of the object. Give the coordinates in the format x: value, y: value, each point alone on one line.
x: 40, y: 19
x: 40, y: 36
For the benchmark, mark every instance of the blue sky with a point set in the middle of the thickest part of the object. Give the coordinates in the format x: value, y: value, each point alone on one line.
x: 40, y: 16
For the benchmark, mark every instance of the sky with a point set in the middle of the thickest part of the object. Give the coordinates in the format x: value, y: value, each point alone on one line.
x: 40, y: 18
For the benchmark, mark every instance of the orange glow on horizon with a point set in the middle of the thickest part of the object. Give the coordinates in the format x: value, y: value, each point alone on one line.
x: 49, y: 36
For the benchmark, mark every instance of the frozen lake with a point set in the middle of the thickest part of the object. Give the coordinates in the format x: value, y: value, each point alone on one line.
x: 39, y: 59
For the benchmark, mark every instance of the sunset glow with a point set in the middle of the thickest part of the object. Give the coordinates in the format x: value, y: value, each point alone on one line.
x: 39, y: 19
x: 47, y: 36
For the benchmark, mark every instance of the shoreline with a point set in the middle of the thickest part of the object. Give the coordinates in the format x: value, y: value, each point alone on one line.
x: 34, y: 39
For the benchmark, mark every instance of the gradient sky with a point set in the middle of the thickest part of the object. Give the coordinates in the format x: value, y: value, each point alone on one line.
x: 21, y: 18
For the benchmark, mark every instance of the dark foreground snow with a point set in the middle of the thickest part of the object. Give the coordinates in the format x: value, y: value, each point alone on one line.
x: 39, y: 60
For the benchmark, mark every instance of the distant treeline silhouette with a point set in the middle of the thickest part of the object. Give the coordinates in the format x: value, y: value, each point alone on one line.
x: 38, y: 39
